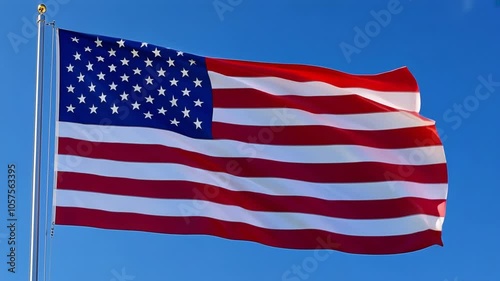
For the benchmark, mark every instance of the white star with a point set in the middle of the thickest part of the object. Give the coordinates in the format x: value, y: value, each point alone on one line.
x: 198, y: 102
x: 121, y: 43
x: 77, y: 56
x: 99, y: 58
x: 88, y: 49
x: 186, y: 92
x: 137, y: 71
x: 174, y: 122
x: 144, y: 44
x: 149, y: 80
x: 197, y: 82
x: 184, y: 72
x: 148, y: 115
x: 98, y: 43
x: 112, y: 86
x: 137, y: 88
x: 192, y: 61
x: 92, y: 87
x: 135, y: 105
x: 81, y: 98
x: 71, y: 89
x: 70, y: 68
x: 93, y: 109
x: 101, y: 76
x: 157, y: 52
x: 112, y: 53
x: 161, y: 72
x: 81, y: 77
x: 186, y: 112
x: 170, y: 62
x: 124, y: 61
x: 197, y: 123
x: 134, y: 53
x: 124, y: 96
x: 173, y: 82
x: 173, y: 101
x: 148, y: 62
x: 161, y: 91
x: 124, y: 77
x: 74, y: 39
x: 114, y: 109
x: 150, y: 99
x: 162, y: 110
x: 179, y: 53
x: 89, y: 66
x: 71, y: 108
x: 112, y: 68
x: 102, y: 97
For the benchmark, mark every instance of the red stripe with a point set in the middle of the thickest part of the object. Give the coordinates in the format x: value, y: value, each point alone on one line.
x: 251, y: 98
x: 398, y: 80
x: 324, y: 135
x: 372, y: 209
x: 291, y: 239
x: 254, y: 167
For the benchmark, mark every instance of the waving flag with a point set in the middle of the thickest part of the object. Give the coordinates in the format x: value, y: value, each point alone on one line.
x: 293, y: 156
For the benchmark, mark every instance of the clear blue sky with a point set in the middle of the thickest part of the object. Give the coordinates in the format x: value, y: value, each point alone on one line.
x: 451, y: 47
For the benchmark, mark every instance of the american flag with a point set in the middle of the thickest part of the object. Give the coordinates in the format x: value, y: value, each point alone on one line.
x: 291, y: 156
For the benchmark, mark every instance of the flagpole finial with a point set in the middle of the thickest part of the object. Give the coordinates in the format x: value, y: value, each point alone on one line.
x: 42, y: 9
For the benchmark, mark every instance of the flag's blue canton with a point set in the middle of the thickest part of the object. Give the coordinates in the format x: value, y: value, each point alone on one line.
x: 110, y: 81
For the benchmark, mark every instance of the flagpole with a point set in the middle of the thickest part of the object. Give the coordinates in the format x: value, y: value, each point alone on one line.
x: 37, y: 155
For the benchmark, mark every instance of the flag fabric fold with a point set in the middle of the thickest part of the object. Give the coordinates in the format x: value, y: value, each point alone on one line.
x: 287, y: 155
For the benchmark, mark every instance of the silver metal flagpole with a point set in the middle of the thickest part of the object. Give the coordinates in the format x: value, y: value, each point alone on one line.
x: 37, y: 154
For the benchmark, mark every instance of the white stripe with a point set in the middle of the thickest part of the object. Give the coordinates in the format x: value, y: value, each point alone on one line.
x: 270, y: 186
x: 269, y: 220
x: 229, y: 148
x: 297, y: 117
x: 278, y: 86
